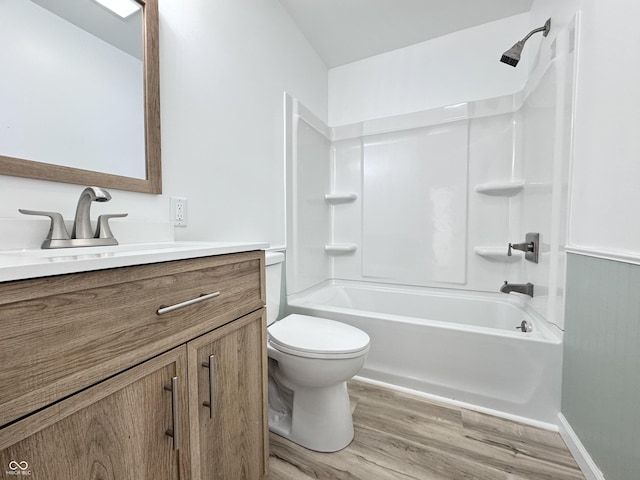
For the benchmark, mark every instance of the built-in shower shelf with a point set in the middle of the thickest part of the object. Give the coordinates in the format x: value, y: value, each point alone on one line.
x: 505, y: 189
x: 340, y: 248
x: 336, y: 198
x: 498, y: 254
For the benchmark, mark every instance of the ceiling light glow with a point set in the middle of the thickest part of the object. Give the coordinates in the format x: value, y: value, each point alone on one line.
x: 122, y: 8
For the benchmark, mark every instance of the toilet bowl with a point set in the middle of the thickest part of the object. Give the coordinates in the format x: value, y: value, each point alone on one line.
x: 310, y: 361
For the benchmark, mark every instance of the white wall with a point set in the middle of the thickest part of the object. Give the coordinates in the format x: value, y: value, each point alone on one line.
x: 459, y: 67
x: 606, y: 171
x: 605, y: 167
x: 224, y: 66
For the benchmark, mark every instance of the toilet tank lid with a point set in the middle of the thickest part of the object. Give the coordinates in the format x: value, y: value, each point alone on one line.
x: 271, y: 258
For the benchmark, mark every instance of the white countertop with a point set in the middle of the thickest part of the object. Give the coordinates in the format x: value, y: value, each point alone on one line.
x: 31, y: 263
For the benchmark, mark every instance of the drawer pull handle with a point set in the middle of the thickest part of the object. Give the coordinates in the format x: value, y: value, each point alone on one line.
x: 211, y: 368
x: 201, y: 298
x: 175, y: 431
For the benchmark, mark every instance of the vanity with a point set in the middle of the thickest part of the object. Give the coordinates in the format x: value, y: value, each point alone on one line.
x: 117, y: 362
x: 146, y: 363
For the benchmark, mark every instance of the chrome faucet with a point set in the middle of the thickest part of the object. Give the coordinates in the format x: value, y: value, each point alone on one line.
x: 526, y: 288
x: 82, y: 223
x: 82, y: 234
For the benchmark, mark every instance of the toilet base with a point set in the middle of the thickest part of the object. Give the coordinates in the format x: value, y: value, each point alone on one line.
x: 320, y: 418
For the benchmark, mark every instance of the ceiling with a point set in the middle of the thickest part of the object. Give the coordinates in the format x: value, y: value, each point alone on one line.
x: 343, y: 31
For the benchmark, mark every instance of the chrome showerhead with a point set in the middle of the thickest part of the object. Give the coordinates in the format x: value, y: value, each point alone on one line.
x: 512, y: 56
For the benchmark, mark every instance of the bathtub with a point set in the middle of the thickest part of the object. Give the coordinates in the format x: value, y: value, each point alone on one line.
x: 456, y: 345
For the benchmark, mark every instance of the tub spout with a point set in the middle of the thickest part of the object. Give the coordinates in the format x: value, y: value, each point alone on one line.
x: 526, y: 288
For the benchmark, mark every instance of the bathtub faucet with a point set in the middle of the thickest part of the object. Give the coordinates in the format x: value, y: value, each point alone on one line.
x: 526, y: 288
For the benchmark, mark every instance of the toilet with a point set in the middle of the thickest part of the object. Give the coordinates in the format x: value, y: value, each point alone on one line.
x: 310, y: 361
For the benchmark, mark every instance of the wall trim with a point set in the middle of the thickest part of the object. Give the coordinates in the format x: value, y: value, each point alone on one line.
x: 578, y: 450
x: 617, y: 256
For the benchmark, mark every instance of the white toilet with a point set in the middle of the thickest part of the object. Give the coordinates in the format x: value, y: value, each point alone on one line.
x: 310, y: 361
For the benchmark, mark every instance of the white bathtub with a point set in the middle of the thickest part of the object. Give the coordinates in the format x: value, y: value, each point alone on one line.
x: 458, y: 345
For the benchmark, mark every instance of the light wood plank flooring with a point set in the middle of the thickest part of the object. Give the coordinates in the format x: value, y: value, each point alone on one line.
x: 403, y: 437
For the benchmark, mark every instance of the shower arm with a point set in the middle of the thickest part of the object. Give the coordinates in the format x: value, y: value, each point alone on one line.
x: 541, y: 29
x: 544, y: 29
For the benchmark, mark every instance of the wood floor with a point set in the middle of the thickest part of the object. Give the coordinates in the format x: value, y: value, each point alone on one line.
x: 402, y: 437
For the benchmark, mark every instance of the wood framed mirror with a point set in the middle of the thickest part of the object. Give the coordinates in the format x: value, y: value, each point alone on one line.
x: 24, y: 151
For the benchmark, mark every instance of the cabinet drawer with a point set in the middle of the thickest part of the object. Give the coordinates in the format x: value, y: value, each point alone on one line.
x: 62, y: 334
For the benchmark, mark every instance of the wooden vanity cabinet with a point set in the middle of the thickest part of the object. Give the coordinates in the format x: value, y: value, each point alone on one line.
x: 228, y: 401
x: 132, y: 408
x: 114, y: 430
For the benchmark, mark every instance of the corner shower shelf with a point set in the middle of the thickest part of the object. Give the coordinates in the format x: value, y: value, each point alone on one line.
x: 336, y: 198
x: 340, y: 248
x: 498, y: 254
x: 505, y: 189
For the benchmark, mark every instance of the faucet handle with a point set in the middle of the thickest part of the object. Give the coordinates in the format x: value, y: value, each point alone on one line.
x: 103, y: 229
x: 523, y: 247
x: 57, y: 229
x: 530, y: 247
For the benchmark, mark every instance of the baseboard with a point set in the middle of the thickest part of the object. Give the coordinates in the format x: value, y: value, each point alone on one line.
x: 579, y: 452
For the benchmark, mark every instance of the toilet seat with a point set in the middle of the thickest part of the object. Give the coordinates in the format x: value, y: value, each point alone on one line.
x: 314, y: 337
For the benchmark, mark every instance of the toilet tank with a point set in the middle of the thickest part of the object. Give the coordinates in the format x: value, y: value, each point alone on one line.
x: 273, y: 267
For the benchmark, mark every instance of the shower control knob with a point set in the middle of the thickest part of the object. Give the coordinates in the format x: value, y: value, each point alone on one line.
x: 530, y: 247
x: 523, y: 247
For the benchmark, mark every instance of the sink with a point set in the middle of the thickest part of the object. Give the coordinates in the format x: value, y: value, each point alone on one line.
x: 19, y: 264
x: 102, y: 252
x: 142, y: 242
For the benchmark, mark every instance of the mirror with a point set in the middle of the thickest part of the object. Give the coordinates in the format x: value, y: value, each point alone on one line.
x: 79, y: 107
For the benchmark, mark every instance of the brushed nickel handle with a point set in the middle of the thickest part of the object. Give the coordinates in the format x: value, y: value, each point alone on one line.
x: 175, y: 411
x: 210, y: 366
x: 57, y: 229
x: 103, y: 230
x: 201, y: 298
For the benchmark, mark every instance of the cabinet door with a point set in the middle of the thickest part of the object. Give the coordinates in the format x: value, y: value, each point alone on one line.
x: 115, y: 430
x: 228, y: 401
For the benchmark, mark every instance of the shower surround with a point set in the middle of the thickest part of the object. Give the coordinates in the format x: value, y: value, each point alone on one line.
x: 431, y: 199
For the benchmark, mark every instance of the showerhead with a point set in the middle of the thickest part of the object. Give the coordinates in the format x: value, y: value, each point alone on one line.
x: 512, y: 56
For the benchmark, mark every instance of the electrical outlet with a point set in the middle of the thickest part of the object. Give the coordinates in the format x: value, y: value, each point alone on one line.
x: 178, y: 214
